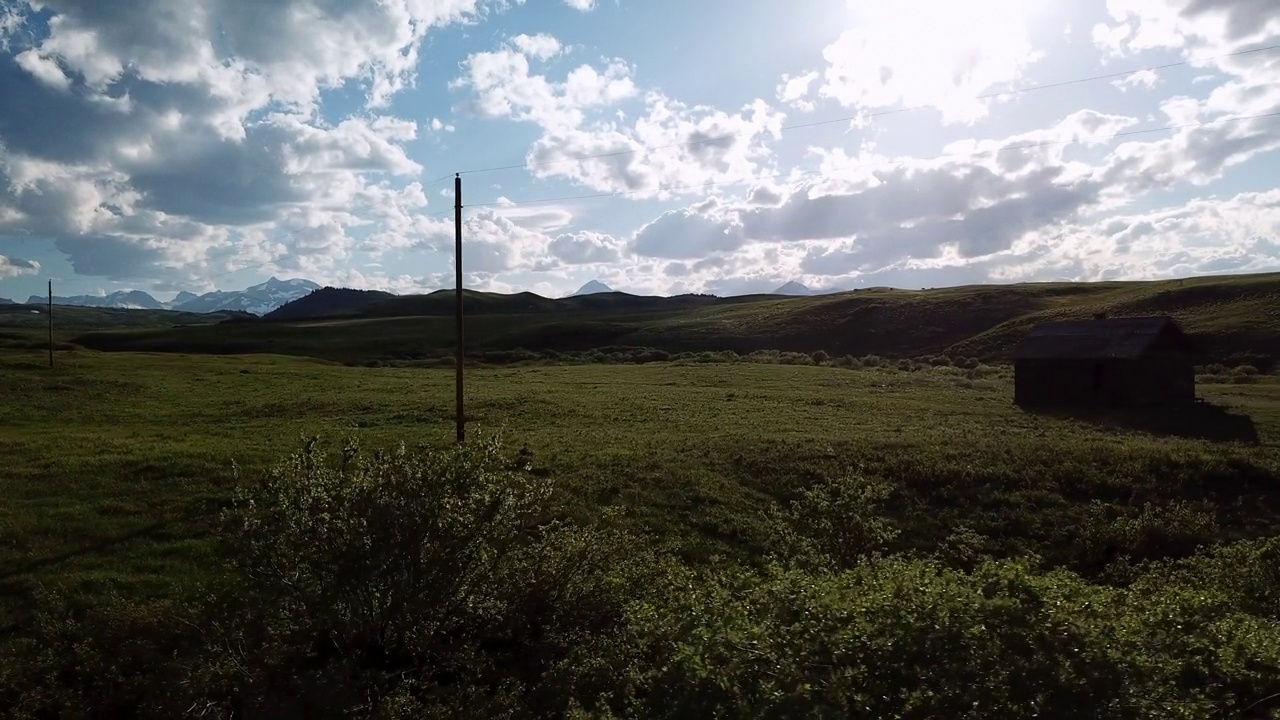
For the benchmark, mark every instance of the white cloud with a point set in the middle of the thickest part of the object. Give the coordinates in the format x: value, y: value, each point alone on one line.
x: 503, y: 87
x: 583, y: 5
x: 672, y: 145
x: 671, y: 149
x: 794, y: 91
x: 988, y: 210
x: 13, y: 267
x: 196, y: 146
x: 44, y: 69
x: 540, y: 46
x: 585, y: 247
x: 1143, y: 78
x: 926, y: 53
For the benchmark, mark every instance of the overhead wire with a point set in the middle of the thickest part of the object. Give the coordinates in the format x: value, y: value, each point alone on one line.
x: 868, y: 116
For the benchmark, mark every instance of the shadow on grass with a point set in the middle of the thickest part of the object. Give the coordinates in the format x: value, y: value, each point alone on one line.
x: 1203, y: 420
x: 11, y: 572
x: 195, y: 512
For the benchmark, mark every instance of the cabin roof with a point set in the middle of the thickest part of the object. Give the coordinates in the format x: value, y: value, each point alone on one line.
x: 1098, y: 339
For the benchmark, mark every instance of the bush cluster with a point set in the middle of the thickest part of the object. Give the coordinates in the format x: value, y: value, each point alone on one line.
x: 421, y: 582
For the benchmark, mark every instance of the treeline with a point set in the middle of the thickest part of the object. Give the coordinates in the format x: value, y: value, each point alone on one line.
x: 1235, y: 365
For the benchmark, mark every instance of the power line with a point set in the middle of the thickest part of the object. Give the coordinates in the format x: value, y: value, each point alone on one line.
x: 868, y: 116
x: 1026, y: 146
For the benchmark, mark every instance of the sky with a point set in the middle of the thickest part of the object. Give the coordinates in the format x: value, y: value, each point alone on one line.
x: 662, y: 147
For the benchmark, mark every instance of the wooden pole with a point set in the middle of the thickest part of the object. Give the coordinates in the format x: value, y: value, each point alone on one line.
x: 457, y: 250
x: 50, y: 313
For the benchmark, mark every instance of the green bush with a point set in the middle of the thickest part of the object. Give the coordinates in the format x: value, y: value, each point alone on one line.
x: 794, y: 358
x: 892, y: 638
x: 820, y: 357
x: 420, y: 579
x: 1152, y: 532
x: 838, y: 522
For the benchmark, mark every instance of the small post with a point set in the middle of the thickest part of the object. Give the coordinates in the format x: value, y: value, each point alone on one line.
x: 457, y: 251
x: 50, y: 313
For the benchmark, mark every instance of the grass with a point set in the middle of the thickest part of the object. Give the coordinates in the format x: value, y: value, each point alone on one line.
x: 114, y: 462
x: 1229, y: 315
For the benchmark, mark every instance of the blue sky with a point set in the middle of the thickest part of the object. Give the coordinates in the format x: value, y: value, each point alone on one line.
x: 170, y: 145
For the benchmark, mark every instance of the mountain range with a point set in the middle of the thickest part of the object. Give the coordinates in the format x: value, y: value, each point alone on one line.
x: 274, y: 294
x: 257, y: 299
x: 6, y: 301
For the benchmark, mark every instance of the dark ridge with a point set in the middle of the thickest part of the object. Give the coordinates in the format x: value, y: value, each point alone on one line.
x: 327, y: 302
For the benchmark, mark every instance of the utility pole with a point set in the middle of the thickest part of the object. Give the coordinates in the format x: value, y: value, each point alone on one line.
x: 457, y: 255
x: 50, y: 313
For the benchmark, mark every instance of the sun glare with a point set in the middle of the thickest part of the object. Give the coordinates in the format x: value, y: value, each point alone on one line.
x: 930, y: 52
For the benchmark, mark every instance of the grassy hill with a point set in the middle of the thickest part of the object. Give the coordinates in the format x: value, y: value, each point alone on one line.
x: 22, y: 325
x: 1228, y: 314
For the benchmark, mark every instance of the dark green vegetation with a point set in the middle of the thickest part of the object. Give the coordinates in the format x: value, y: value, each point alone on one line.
x: 662, y: 540
x: 26, y: 326
x: 1229, y: 315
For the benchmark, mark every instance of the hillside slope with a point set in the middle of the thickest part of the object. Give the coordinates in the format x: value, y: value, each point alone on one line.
x: 1228, y: 314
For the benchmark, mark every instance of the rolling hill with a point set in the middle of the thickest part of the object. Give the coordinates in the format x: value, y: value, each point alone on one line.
x: 1232, y: 314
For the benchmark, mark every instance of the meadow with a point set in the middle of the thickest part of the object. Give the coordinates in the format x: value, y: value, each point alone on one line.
x: 118, y: 466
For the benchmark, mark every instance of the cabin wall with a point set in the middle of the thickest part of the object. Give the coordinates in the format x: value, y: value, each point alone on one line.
x: 1166, y: 379
x: 1151, y: 380
x: 1052, y: 381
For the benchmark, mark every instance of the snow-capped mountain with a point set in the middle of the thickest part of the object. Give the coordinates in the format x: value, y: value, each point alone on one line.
x: 593, y: 287
x: 128, y: 299
x: 258, y: 299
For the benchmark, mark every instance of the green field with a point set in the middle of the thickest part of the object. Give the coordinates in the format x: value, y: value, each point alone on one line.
x: 117, y: 465
x: 108, y: 446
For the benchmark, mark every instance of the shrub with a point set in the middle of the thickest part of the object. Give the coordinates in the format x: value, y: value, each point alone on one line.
x: 1153, y: 532
x: 422, y: 579
x: 794, y: 358
x: 893, y: 638
x: 972, y: 363
x: 820, y: 357
x: 838, y: 522
x: 845, y: 361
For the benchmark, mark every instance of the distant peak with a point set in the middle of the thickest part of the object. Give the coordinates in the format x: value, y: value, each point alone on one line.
x: 793, y: 288
x: 593, y: 287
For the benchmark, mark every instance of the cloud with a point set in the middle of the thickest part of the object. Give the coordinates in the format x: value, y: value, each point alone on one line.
x: 540, y: 46
x: 583, y: 5
x: 1012, y: 208
x: 926, y: 53
x: 671, y: 149
x: 43, y: 69
x: 168, y: 139
x: 669, y: 145
x: 583, y: 248
x: 793, y: 90
x: 13, y: 267
x: 503, y: 87
x: 689, y: 233
x: 1142, y: 78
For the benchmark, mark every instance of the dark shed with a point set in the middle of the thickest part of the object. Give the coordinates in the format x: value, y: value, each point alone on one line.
x: 1109, y: 361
